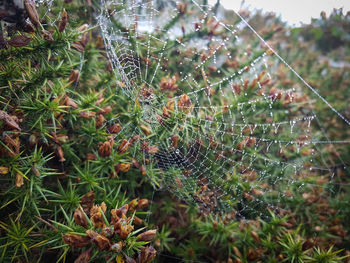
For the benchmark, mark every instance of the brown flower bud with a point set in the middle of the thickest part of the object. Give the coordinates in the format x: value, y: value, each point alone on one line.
x: 117, y: 247
x: 32, y: 13
x: 19, y: 41
x: 47, y: 36
x: 9, y: 120
x: 71, y: 103
x: 28, y: 28
x: 87, y: 114
x: 182, y: 8
x: 78, y: 46
x: 115, y: 128
x: 147, y: 254
x: 255, y: 236
x: 135, y: 163
x: 137, y: 221
x: 101, y: 241
x: 60, y: 154
x: 133, y: 204
x: 248, y: 196
x: 99, y: 121
x: 129, y: 260
x: 36, y: 170
x: 152, y: 149
x: 96, y: 217
x: 143, y: 170
x: 135, y: 138
x: 123, y: 147
x: 142, y: 204
x: 74, y: 76
x: 124, y: 167
x: 87, y: 201
x: 80, y: 218
x: 257, y: 192
x: 146, y: 129
x: 174, y: 141
x: 168, y: 84
x: 108, y: 232
x: 84, y: 39
x: 105, y: 110
x: 105, y: 149
x: 185, y: 104
x: 170, y: 105
x: 84, y: 257
x: 91, y: 157
x: 237, y: 252
x: 63, y: 22
x: 74, y: 240
x: 19, y: 180
x: 147, y: 236
x: 83, y: 27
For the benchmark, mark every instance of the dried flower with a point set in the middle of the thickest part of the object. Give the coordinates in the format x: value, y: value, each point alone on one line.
x: 105, y: 149
x: 105, y: 110
x: 78, y: 46
x: 87, y: 202
x: 117, y: 247
x: 63, y: 22
x: 143, y: 170
x: 115, y: 128
x: 9, y: 120
x: 124, y: 167
x: 75, y: 240
x: 84, y: 257
x: 80, y: 218
x: 74, y: 76
x: 171, y: 105
x: 146, y: 129
x: 91, y: 157
x: 237, y: 252
x: 47, y: 35
x: 152, y: 149
x: 168, y: 84
x: 99, y: 121
x: 19, y: 41
x: 257, y: 192
x: 248, y: 196
x: 137, y: 221
x: 255, y: 236
x: 184, y: 104
x: 182, y: 8
x: 87, y: 114
x: 147, y: 236
x: 123, y: 147
x: 147, y: 254
x: 60, y: 154
x: 174, y: 141
x: 32, y: 13
x: 102, y: 242
x: 19, y: 180
x: 96, y: 216
x: 36, y: 170
x: 142, y: 204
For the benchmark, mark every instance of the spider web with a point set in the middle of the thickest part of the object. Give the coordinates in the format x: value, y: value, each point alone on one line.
x: 231, y: 137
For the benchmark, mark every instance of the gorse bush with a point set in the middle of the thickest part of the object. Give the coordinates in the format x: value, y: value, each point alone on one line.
x: 136, y: 129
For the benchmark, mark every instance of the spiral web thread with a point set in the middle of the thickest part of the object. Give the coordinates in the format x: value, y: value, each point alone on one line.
x: 231, y: 153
